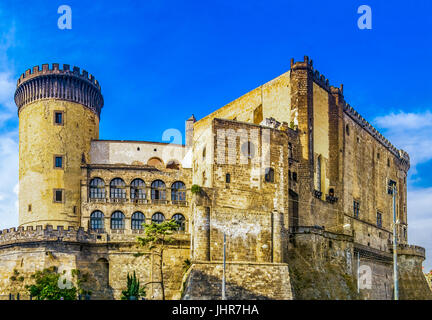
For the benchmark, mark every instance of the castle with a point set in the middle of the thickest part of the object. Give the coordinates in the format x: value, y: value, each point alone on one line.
x: 297, y: 180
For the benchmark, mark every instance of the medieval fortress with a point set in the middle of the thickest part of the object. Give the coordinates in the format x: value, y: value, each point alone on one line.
x: 298, y: 181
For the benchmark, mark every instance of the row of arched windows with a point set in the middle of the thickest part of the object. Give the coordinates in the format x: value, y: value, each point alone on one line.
x: 137, y: 189
x: 117, y: 221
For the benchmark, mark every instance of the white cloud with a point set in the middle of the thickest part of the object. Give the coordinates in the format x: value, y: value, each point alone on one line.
x: 9, y: 177
x: 9, y: 135
x: 420, y: 220
x: 412, y: 132
x: 405, y: 121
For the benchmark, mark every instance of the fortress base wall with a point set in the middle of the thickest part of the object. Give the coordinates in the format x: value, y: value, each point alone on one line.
x: 244, y: 280
x: 412, y: 281
x: 320, y: 265
x: 106, y: 261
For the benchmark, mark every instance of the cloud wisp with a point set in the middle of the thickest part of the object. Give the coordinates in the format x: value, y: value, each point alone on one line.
x: 412, y: 132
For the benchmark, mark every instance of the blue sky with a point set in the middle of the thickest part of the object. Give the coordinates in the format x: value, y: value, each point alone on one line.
x: 160, y: 61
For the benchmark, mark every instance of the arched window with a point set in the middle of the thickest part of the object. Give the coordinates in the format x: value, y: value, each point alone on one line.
x: 138, y: 219
x: 178, y: 191
x: 97, y: 188
x: 158, y: 218
x: 117, y: 220
x: 137, y: 189
x: 158, y: 190
x: 97, y: 220
x: 181, y: 221
x: 117, y: 189
x: 269, y: 175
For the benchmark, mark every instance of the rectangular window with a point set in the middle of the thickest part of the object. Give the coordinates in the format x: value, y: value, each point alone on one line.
x: 29, y: 208
x: 58, y: 162
x: 58, y: 118
x: 356, y: 207
x: 58, y: 195
x: 379, y: 219
x: 227, y: 178
x: 290, y: 150
x: 390, y: 186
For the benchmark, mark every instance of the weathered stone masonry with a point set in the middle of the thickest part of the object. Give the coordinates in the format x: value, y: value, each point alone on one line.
x: 293, y: 176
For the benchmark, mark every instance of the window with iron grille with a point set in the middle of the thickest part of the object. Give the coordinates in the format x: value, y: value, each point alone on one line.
x: 180, y: 220
x: 117, y: 189
x: 97, y: 220
x: 379, y: 219
x: 178, y: 191
x: 117, y: 220
x: 318, y: 173
x: 356, y: 207
x: 138, y: 219
x: 158, y: 190
x: 158, y: 218
x: 137, y: 189
x: 97, y: 188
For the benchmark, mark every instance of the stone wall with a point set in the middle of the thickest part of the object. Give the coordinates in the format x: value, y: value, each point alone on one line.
x: 244, y: 280
x: 107, y: 260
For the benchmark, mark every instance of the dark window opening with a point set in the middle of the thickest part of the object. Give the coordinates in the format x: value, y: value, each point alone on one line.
x: 390, y: 186
x: 227, y: 178
x: 269, y: 175
x: 356, y: 207
x: 58, y: 161
x: 379, y: 219
x: 294, y: 212
x: 290, y: 150
x: 58, y: 117
x: 29, y: 207
x: 347, y: 130
x: 294, y: 176
x: 58, y: 195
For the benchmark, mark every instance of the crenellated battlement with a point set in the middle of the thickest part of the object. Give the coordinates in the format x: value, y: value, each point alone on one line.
x: 322, y: 81
x: 356, y: 117
x: 74, y: 85
x: 47, y: 233
x: 45, y: 70
x: 318, y: 77
x: 409, y: 249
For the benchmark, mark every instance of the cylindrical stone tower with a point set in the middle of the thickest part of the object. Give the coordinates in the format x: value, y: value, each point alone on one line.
x: 58, y: 117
